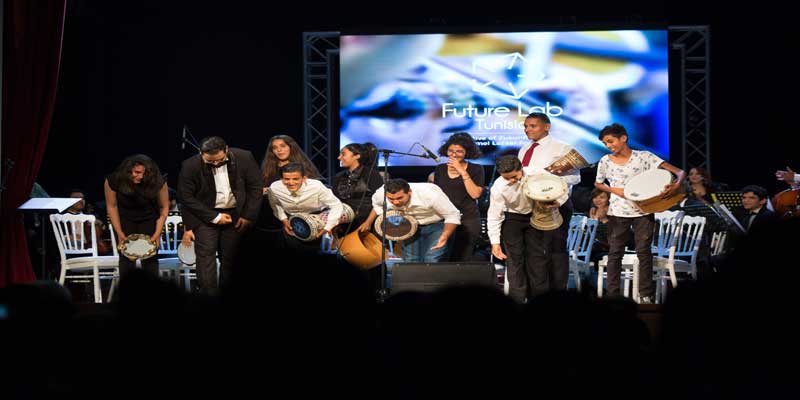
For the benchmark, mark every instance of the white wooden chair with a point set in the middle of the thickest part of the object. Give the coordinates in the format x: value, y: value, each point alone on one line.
x: 79, y: 259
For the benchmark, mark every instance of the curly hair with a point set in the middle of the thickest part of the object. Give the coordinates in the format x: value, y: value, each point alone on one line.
x: 269, y: 167
x: 151, y: 182
x: 464, y: 140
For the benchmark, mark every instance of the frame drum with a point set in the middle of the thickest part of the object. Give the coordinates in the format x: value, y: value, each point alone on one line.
x: 645, y: 190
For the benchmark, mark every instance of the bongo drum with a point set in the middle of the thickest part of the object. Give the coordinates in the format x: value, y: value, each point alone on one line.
x: 398, y: 225
x: 362, y: 249
x: 137, y: 247
x: 645, y: 190
x: 306, y: 226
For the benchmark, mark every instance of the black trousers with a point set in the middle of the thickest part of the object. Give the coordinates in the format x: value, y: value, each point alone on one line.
x: 618, y: 230
x: 516, y: 235
x: 549, y: 258
x: 210, y: 240
x: 465, y: 237
x: 148, y: 227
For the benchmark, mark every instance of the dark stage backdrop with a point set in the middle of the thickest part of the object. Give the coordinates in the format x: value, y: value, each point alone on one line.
x: 134, y: 73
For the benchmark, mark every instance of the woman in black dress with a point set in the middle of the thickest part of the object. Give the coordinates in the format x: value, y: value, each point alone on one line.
x: 138, y: 202
x: 462, y: 182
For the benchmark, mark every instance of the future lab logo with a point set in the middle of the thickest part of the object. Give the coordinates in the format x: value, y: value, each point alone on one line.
x: 498, y: 66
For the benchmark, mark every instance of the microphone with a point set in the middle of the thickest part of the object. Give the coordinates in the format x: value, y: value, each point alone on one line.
x: 183, y: 142
x: 431, y: 154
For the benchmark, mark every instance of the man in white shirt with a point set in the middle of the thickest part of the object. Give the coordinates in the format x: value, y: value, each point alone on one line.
x: 549, y: 259
x: 296, y: 193
x: 220, y: 193
x: 436, y: 215
x: 509, y: 222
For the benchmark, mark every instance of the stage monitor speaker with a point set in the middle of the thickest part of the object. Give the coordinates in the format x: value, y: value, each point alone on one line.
x: 431, y: 277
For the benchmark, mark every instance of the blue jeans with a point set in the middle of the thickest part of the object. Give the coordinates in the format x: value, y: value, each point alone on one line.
x: 418, y: 247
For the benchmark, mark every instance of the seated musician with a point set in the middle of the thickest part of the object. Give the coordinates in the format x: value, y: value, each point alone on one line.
x: 754, y: 212
x: 296, y: 193
x: 436, y: 215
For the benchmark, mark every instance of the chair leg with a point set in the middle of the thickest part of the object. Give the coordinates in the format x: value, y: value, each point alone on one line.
x: 63, y: 276
x: 98, y: 295
x: 600, y: 271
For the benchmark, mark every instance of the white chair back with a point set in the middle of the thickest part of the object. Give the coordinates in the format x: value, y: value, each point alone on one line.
x: 666, y: 224
x: 70, y: 233
x: 171, y: 235
x: 689, y: 240
x: 575, y: 230
x: 583, y: 246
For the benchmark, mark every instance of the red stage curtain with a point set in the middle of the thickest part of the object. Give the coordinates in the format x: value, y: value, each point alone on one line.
x: 32, y: 36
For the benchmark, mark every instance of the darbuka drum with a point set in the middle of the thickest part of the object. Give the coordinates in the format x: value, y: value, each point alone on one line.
x: 362, y: 249
x: 137, y: 247
x: 186, y: 253
x: 307, y: 226
x: 544, y: 189
x: 398, y: 225
x: 568, y: 162
x: 645, y: 190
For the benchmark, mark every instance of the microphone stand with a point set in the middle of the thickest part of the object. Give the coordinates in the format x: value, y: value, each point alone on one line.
x: 383, y: 293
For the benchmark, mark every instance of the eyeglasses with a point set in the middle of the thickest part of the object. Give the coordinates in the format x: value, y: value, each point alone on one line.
x: 456, y: 152
x: 218, y: 162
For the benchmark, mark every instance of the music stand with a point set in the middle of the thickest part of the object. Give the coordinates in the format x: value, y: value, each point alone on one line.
x: 715, y: 221
x: 731, y: 200
x: 43, y: 206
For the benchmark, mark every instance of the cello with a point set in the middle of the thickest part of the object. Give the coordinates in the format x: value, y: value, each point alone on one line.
x: 786, y: 203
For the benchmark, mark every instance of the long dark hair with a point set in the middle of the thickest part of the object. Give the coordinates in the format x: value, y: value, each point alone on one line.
x: 269, y: 167
x: 151, y: 183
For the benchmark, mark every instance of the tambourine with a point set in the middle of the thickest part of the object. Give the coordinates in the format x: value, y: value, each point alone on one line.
x: 186, y: 254
x: 137, y: 247
x: 398, y: 225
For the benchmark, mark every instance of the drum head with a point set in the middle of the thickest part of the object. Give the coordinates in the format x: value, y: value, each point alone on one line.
x: 137, y: 247
x: 648, y: 184
x: 186, y: 253
x: 306, y: 226
x: 398, y: 226
x: 545, y: 187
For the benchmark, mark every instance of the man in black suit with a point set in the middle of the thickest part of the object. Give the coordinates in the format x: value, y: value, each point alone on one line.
x: 754, y: 211
x: 220, y: 194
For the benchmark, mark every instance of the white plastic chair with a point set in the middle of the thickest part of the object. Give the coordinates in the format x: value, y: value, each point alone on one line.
x: 680, y: 256
x: 666, y: 229
x: 171, y: 237
x: 581, y: 250
x: 86, y: 263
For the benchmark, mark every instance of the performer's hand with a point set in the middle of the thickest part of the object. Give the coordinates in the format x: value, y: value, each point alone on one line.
x: 441, y: 243
x: 619, y: 192
x: 549, y: 205
x: 121, y: 236
x: 670, y: 190
x: 786, y: 176
x: 497, y: 252
x: 155, y: 239
x: 557, y: 170
x: 287, y: 227
x: 242, y: 225
x: 224, y: 219
x: 265, y: 190
x: 322, y: 232
x: 456, y: 166
x: 188, y: 238
x: 363, y: 227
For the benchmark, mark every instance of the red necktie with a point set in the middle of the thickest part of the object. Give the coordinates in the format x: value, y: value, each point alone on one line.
x: 528, y: 154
